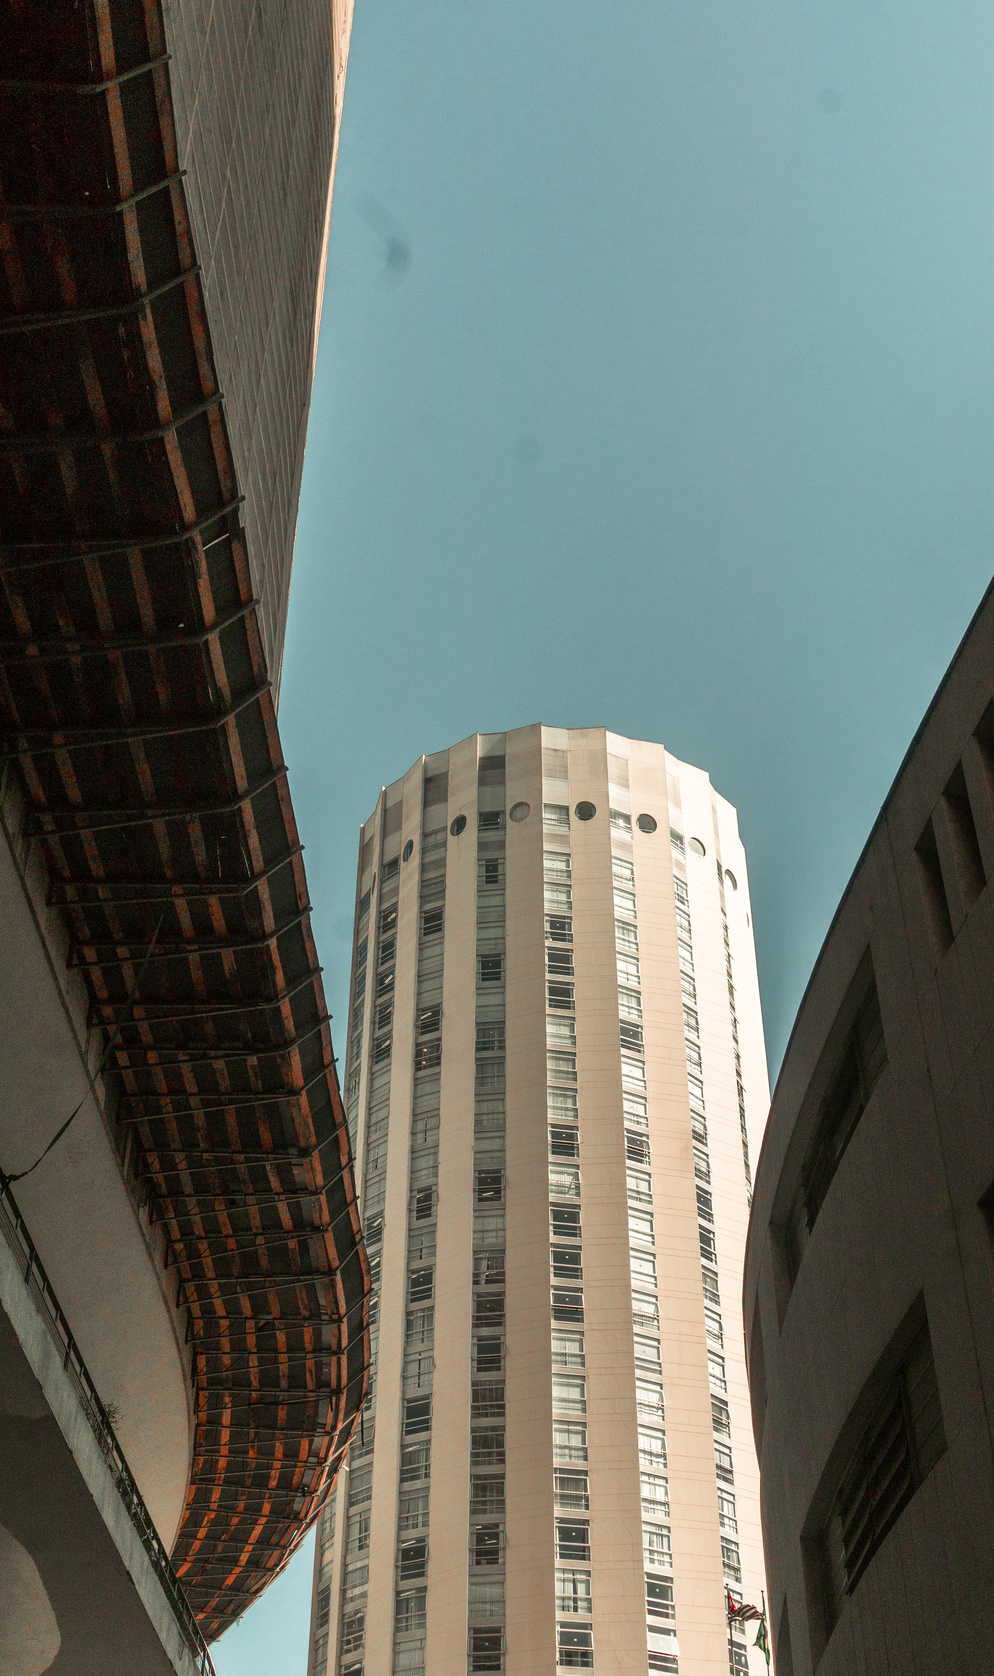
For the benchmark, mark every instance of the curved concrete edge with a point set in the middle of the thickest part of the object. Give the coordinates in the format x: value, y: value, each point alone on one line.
x: 45, y: 1362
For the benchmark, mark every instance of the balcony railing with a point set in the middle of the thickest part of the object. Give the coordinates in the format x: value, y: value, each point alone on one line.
x: 40, y: 1287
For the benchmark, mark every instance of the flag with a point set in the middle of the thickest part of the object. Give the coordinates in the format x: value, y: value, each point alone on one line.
x: 740, y: 1614
x: 762, y: 1640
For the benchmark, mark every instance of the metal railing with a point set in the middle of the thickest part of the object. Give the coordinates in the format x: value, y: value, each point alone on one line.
x: 36, y: 1280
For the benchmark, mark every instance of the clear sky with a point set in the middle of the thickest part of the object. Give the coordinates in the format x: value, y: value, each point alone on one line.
x: 654, y: 392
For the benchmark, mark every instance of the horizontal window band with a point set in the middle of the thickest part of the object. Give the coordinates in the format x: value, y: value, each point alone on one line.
x: 53, y: 441
x: 13, y: 323
x: 104, y: 547
x: 71, y: 212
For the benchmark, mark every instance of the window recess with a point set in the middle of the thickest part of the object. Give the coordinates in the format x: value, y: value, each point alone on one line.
x: 859, y: 1065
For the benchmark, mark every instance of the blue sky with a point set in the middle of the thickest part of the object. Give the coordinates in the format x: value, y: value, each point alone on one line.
x: 655, y: 391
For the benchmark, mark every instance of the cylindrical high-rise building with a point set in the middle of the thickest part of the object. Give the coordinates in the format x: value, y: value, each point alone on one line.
x: 555, y: 1080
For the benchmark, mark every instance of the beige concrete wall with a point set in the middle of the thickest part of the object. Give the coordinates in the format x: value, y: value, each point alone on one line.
x: 102, y: 1257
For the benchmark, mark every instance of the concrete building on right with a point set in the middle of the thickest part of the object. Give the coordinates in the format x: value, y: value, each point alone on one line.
x: 869, y: 1276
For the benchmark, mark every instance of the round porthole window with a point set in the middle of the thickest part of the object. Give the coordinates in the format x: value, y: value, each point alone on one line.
x: 732, y: 880
x: 409, y: 849
x: 585, y: 811
x: 520, y: 811
x: 645, y: 823
x: 696, y: 847
x: 458, y: 825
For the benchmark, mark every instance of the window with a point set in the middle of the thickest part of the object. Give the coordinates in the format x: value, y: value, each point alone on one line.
x: 652, y: 1450
x: 624, y: 903
x: 491, y: 872
x: 488, y: 1311
x: 415, y: 1463
x: 562, y: 1104
x: 564, y: 1143
x: 490, y: 1036
x: 558, y: 897
x: 565, y: 1222
x: 491, y: 968
x: 488, y: 1399
x: 626, y: 937
x: 562, y: 1066
x: 429, y: 1021
x: 559, y: 929
x: 567, y: 1262
x: 702, y: 1168
x: 723, y: 1464
x: 488, y: 1355
x: 712, y: 1326
x: 411, y: 1605
x: 619, y: 820
x: 490, y: 820
x: 486, y: 1495
x: 720, y: 1418
x: 576, y: 1648
x: 567, y: 1349
x: 895, y: 1454
x: 421, y: 1285
x: 861, y: 1061
x: 569, y: 1440
x: 360, y: 1485
x: 629, y: 1003
x: 427, y: 1055
x: 353, y: 1631
x: 572, y: 1539
x: 623, y: 871
x: 569, y: 1393
x: 564, y: 1183
x: 572, y: 1490
x: 656, y: 1547
x: 639, y: 1187
x: 632, y: 1070
x: 637, y: 1148
x: 432, y: 922
x: 647, y: 1355
x: 487, y: 1545
x: 558, y: 863
x: 716, y: 1372
x: 573, y: 1591
x: 417, y: 1416
x: 629, y: 971
x: 676, y: 838
x: 385, y: 983
x: 645, y: 1310
x: 412, y: 1559
x: 555, y: 814
x: 640, y: 1226
x: 659, y: 1597
x: 643, y: 1265
x: 655, y: 1496
x: 424, y: 1204
x: 726, y: 1512
x: 485, y: 1649
x: 487, y: 1446
x: 489, y: 1187
x: 709, y: 1251
x: 560, y: 995
x: 488, y: 1267
x: 705, y: 1205
x: 486, y: 1600
x: 413, y: 1510
x: 357, y: 1532
x: 567, y: 1303
x: 381, y: 1050
x: 649, y: 1400
x: 420, y: 1327
x: 559, y: 963
x: 730, y: 1560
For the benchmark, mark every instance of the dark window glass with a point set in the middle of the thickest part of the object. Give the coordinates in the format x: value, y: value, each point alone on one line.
x: 417, y: 1416
x: 424, y: 1204
x: 564, y: 1143
x: 486, y: 1494
x: 486, y: 1646
x: 488, y: 1310
x: 421, y: 1285
x: 489, y: 1187
x: 490, y: 820
x: 573, y: 1539
x: 429, y: 1020
x: 659, y: 1598
x: 413, y: 1559
x: 489, y: 1355
x: 566, y: 1262
x: 894, y: 1456
x: 487, y: 1544
x: 491, y: 968
x: 490, y: 1037
x: 391, y: 869
x: 561, y: 997
x: 488, y: 1399
x: 631, y: 1037
x: 565, y: 1222
x: 567, y: 1304
x: 559, y: 962
x: 432, y: 922
x: 861, y: 1061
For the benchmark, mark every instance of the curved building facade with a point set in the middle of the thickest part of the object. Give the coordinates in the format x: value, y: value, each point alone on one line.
x: 183, y: 1286
x: 869, y: 1281
x: 555, y: 1074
